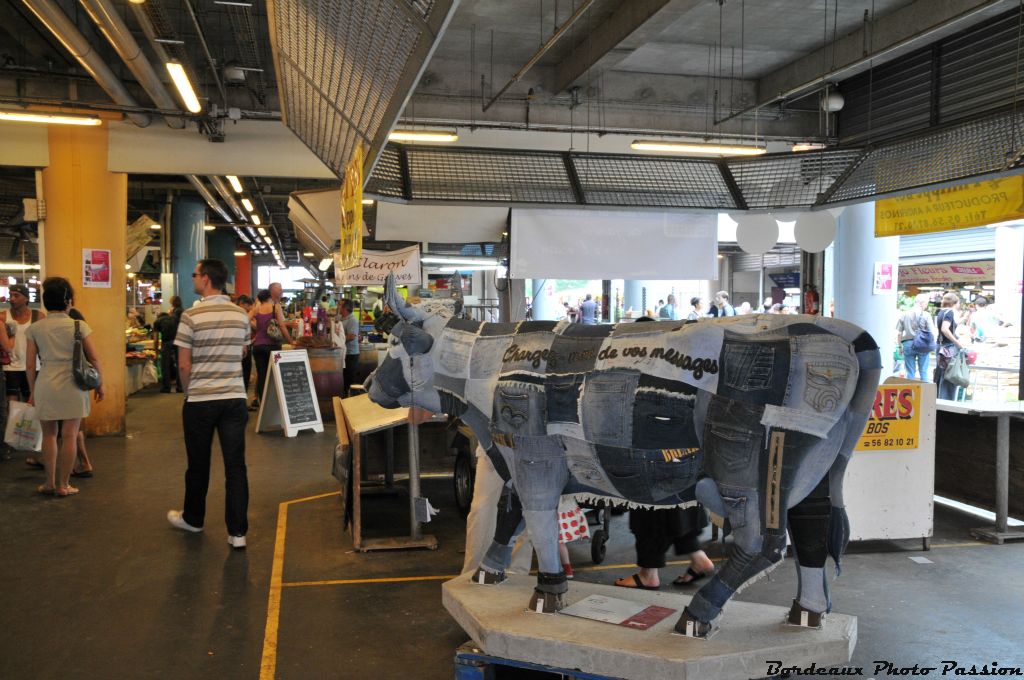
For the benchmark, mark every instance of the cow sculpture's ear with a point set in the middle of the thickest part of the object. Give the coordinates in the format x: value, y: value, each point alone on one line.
x: 397, y: 305
x: 456, y: 290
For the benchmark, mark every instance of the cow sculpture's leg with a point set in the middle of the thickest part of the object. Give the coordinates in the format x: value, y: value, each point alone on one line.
x: 509, y: 525
x: 809, y: 528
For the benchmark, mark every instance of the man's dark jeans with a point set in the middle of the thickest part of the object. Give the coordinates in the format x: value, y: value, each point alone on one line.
x: 228, y: 418
x: 168, y: 366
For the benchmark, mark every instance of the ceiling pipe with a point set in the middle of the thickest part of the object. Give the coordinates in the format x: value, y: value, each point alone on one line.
x: 208, y: 197
x: 54, y: 18
x: 206, y: 51
x: 116, y: 31
x: 548, y: 44
x: 229, y: 197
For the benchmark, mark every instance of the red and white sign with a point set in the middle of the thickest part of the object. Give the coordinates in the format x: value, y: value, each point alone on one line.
x: 96, y: 270
x: 885, y: 280
x: 953, y: 272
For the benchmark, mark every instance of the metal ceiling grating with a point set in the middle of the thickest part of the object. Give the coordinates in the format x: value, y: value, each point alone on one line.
x: 790, y: 179
x: 960, y: 152
x: 345, y: 69
x: 651, y: 182
x: 387, y: 176
x: 489, y: 175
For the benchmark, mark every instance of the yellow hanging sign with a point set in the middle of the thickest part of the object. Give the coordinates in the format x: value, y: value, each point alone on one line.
x: 968, y: 205
x: 350, y: 252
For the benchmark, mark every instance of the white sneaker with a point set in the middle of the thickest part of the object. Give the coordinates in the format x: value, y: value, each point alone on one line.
x: 177, y: 521
x: 236, y: 541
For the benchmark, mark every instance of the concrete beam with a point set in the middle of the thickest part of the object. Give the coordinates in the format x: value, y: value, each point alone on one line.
x: 903, y: 30
x: 605, y: 46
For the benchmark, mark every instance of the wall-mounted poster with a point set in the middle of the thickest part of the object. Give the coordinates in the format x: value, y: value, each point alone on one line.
x: 96, y: 271
x: 885, y: 278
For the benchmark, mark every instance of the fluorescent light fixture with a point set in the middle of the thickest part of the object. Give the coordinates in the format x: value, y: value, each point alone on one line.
x: 697, y: 148
x: 468, y: 262
x: 255, y: 219
x: 368, y: 201
x: 127, y: 266
x: 807, y: 146
x: 263, y: 232
x: 169, y: 41
x: 470, y: 268
x: 235, y: 184
x: 436, y: 136
x: 240, y: 253
x: 269, y: 240
x: 181, y: 81
x: 247, y: 204
x: 137, y: 2
x: 309, y: 254
x: 17, y: 265
x: 325, y: 264
x: 208, y: 227
x: 50, y: 118
x: 156, y: 226
x: 232, y: 4
x: 241, y: 233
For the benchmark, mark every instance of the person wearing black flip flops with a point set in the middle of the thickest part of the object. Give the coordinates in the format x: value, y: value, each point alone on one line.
x: 656, y: 530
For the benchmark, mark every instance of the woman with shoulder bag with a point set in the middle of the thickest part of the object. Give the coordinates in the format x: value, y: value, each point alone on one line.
x: 55, y: 392
x: 269, y: 331
x: 949, y: 343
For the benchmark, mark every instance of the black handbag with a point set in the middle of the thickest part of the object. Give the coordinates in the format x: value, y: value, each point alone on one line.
x: 924, y: 339
x: 86, y: 375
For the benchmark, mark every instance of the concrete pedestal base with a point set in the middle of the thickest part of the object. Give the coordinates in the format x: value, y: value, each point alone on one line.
x: 751, y: 635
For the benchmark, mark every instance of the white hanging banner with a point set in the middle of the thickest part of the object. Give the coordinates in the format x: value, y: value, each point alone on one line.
x: 599, y: 244
x: 375, y: 266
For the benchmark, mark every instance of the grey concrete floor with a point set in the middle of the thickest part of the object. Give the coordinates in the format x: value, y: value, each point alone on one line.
x: 99, y: 585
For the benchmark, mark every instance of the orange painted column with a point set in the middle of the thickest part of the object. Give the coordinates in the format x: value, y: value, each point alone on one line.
x: 243, y: 274
x: 87, y: 208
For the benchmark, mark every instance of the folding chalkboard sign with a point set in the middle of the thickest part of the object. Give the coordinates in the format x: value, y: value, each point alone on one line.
x: 289, y: 397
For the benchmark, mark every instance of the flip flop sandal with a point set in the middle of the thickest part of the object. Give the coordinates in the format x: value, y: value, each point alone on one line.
x: 83, y: 474
x: 34, y: 462
x: 694, y: 577
x: 65, y: 491
x: 638, y: 584
x: 42, y: 489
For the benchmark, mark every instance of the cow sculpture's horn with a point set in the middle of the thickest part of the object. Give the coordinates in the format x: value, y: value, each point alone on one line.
x: 456, y: 289
x: 399, y: 306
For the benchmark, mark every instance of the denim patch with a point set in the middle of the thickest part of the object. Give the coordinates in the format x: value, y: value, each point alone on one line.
x: 625, y: 470
x: 485, y: 360
x: 563, y: 393
x: 733, y: 438
x: 454, y: 354
x: 494, y: 329
x: 754, y: 370
x: 573, y: 355
x: 540, y: 473
x: 661, y: 421
x: 519, y: 409
x: 674, y: 481
x: 607, y: 407
x: 648, y: 476
x: 528, y: 353
x: 736, y: 510
x: 467, y: 325
x: 585, y: 469
x: 688, y: 354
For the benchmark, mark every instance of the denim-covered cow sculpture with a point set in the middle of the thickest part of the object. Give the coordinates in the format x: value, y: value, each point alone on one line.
x: 754, y: 416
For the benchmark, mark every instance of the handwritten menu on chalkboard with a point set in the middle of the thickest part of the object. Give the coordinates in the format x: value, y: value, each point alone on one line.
x: 298, y: 393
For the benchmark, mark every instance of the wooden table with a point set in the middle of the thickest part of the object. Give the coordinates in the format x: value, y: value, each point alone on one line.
x: 362, y: 417
x: 1002, y: 412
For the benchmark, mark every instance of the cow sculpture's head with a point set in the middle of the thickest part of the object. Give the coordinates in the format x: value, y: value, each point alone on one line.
x: 406, y: 375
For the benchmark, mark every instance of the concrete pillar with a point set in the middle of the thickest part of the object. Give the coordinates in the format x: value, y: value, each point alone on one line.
x: 189, y: 243
x: 633, y: 297
x: 220, y: 244
x: 87, y: 208
x: 545, y: 304
x: 855, y: 254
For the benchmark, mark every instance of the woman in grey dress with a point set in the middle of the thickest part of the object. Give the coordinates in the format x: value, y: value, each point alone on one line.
x: 54, y: 392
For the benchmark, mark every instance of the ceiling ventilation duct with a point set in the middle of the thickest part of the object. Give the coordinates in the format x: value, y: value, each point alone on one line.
x: 341, y: 87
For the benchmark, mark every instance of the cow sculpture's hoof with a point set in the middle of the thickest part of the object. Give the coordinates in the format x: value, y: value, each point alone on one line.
x: 488, y: 578
x: 805, y: 618
x: 546, y: 603
x: 689, y: 626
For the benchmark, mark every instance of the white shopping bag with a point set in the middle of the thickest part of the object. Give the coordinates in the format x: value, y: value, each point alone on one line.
x: 24, y: 432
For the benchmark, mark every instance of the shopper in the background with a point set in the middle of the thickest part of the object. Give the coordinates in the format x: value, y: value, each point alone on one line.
x: 668, y: 310
x: 722, y: 304
x: 246, y: 303
x: 914, y: 319
x: 54, y: 393
x: 949, y: 343
x: 588, y: 311
x: 212, y: 338
x: 260, y: 315
x: 696, y: 309
x: 350, y: 327
x: 744, y: 309
x: 19, y: 319
x: 164, y: 329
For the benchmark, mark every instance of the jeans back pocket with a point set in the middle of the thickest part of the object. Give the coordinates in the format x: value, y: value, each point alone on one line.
x: 607, y: 407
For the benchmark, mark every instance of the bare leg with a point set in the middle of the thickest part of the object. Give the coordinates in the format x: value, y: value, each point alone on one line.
x: 82, y: 462
x: 68, y: 449
x: 50, y: 452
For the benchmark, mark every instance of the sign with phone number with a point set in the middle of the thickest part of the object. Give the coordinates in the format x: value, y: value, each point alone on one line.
x: 895, y: 421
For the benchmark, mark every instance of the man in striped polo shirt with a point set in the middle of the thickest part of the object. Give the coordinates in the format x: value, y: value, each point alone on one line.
x: 212, y: 338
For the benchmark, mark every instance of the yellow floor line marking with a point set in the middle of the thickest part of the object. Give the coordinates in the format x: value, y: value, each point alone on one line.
x: 268, y: 662
x: 356, y: 581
